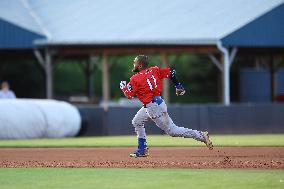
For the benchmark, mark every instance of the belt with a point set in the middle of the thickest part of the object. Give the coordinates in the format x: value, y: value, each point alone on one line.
x: 156, y: 99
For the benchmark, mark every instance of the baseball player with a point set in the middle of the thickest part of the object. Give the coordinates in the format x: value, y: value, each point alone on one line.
x: 146, y: 85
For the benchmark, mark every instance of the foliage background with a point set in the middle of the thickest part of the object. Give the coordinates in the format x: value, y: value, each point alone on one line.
x: 198, y: 74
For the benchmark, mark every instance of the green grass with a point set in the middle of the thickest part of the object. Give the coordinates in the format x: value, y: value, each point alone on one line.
x: 153, y: 140
x: 45, y: 178
x: 80, y: 178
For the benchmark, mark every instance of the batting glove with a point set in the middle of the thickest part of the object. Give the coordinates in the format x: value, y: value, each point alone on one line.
x: 173, y: 74
x: 179, y: 89
x: 122, y: 84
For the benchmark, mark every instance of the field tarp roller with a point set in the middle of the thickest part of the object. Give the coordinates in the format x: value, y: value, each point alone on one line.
x: 30, y: 118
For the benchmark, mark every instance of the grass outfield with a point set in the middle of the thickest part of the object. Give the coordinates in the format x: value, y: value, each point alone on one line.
x: 153, y: 140
x: 46, y: 178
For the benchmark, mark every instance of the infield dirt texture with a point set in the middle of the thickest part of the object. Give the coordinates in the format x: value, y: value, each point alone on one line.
x: 160, y: 157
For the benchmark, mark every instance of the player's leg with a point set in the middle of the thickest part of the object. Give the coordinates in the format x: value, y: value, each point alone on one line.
x: 175, y: 131
x: 166, y: 124
x: 138, y: 123
x: 160, y: 116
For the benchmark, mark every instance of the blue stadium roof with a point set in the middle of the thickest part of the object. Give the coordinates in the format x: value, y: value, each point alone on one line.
x: 15, y: 37
x: 146, y: 22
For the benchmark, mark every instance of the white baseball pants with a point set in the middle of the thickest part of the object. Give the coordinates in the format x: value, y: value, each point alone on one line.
x: 159, y: 114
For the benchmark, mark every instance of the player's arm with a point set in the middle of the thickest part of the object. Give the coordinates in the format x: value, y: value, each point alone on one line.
x: 179, y: 88
x: 127, y: 89
x: 171, y: 73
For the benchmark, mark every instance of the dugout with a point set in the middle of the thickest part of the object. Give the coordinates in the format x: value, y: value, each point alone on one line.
x: 51, y: 31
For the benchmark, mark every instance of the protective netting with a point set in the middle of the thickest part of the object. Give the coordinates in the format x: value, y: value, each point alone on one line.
x: 29, y: 118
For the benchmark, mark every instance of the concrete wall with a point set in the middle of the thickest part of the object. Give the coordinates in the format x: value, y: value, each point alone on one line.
x: 217, y: 119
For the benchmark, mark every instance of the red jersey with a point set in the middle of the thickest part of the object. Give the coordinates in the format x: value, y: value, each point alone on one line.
x: 146, y: 84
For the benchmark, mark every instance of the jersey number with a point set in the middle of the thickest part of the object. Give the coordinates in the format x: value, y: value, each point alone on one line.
x: 152, y: 82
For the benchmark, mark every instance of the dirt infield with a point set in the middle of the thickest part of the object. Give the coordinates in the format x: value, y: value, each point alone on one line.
x: 182, y: 157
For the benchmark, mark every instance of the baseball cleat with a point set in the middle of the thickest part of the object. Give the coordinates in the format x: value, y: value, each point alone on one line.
x: 137, y: 154
x: 207, y: 141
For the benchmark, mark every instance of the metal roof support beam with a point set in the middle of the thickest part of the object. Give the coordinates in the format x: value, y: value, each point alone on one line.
x: 39, y: 58
x: 165, y: 63
x: 89, y: 71
x: 226, y: 73
x: 233, y: 55
x: 46, y: 62
x: 216, y: 62
x: 219, y: 63
x: 49, y: 74
x: 105, y: 81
